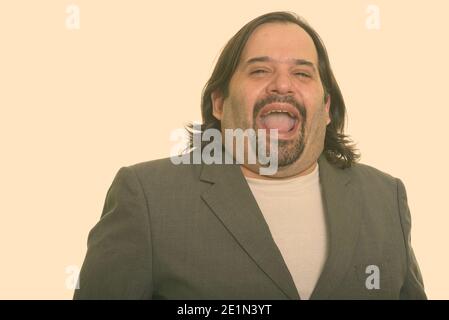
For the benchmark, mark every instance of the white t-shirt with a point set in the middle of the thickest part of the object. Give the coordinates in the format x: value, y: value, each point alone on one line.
x: 293, y: 210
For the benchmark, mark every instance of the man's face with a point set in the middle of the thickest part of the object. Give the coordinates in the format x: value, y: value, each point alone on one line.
x: 277, y: 86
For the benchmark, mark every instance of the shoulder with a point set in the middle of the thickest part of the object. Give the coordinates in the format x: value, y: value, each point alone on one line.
x: 366, y: 171
x: 168, y: 186
x: 371, y: 178
x: 165, y: 171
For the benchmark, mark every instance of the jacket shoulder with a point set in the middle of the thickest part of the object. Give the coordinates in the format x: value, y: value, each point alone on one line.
x: 373, y: 176
x: 165, y: 169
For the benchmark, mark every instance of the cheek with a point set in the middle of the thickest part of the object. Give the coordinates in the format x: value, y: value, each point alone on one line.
x: 317, y: 116
x: 238, y: 109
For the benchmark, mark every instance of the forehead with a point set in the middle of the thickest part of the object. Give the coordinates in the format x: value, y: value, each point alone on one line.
x: 280, y: 41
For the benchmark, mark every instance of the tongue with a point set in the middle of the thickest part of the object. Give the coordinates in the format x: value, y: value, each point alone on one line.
x: 280, y: 121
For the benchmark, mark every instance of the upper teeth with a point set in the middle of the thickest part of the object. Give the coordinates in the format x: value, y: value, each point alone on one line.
x: 289, y: 113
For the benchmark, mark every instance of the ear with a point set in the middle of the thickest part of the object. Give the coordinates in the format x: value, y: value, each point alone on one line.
x: 217, y: 104
x: 327, y: 108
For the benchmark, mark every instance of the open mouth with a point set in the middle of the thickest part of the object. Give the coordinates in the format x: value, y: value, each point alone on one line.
x: 283, y: 117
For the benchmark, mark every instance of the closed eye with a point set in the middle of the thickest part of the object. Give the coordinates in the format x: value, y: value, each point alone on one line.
x: 258, y: 71
x: 302, y: 74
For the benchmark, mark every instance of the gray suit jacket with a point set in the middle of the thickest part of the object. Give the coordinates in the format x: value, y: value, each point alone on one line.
x: 196, y: 232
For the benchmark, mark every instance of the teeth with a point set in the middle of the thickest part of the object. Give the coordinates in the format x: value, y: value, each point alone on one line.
x: 289, y: 113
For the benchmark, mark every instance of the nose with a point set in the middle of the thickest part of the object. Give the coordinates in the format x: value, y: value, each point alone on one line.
x: 280, y: 84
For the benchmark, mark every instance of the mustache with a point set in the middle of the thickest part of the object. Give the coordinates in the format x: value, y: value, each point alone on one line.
x: 280, y: 99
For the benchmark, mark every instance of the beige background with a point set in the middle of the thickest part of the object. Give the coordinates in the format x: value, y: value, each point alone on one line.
x: 76, y: 105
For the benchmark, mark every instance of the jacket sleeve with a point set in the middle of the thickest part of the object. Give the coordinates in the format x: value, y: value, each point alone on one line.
x: 413, y: 286
x: 118, y: 263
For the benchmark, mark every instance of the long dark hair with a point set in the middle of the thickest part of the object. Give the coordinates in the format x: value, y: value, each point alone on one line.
x: 338, y: 147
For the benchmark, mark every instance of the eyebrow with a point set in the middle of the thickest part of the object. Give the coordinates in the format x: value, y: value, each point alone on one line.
x: 299, y: 62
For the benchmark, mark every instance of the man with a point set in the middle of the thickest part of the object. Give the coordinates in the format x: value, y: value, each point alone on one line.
x: 321, y: 227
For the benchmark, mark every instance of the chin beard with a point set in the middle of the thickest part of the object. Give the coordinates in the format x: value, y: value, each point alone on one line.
x: 290, y: 151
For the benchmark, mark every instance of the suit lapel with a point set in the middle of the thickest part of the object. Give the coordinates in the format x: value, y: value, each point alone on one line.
x: 231, y: 200
x: 342, y: 204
